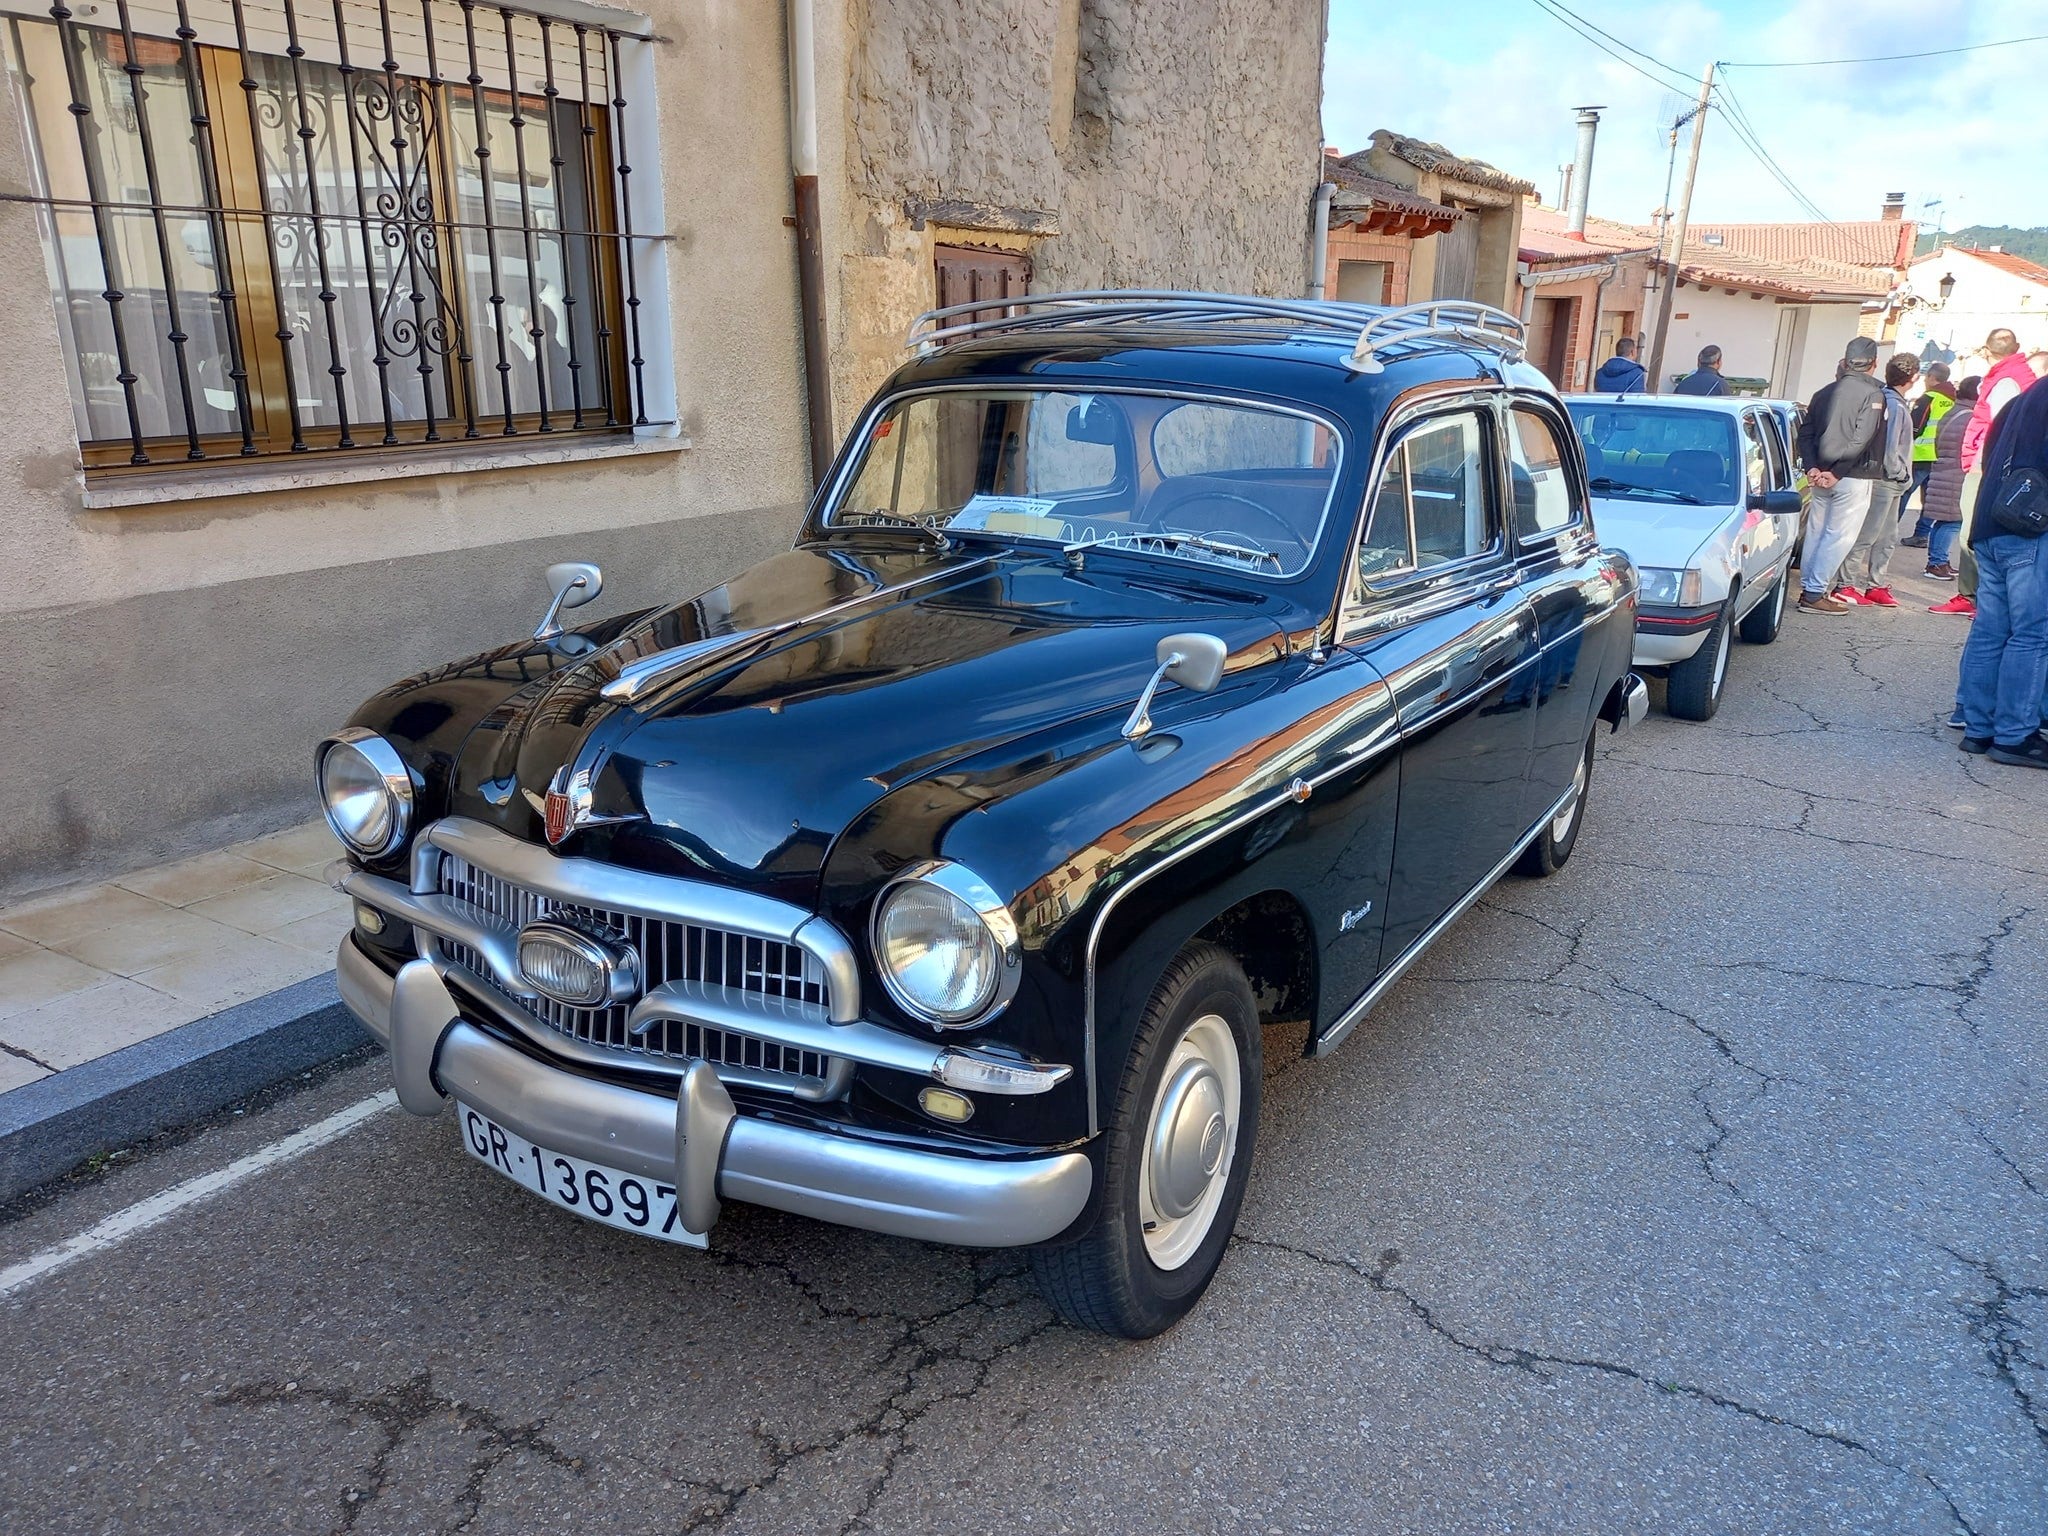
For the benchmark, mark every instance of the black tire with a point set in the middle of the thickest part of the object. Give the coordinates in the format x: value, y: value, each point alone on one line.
x: 1106, y: 1279
x: 1761, y: 624
x: 1555, y: 842
x: 1692, y: 689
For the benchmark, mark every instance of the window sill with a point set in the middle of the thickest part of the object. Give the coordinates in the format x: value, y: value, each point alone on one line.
x: 320, y: 469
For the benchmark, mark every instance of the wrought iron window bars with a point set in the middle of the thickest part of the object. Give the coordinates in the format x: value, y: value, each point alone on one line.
x: 414, y: 226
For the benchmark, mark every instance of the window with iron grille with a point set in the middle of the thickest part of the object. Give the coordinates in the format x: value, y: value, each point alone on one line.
x: 275, y: 228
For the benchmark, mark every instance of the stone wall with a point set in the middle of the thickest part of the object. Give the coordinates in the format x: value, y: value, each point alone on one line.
x: 1121, y: 143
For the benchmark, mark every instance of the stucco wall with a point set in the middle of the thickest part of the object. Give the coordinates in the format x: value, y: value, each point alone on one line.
x: 1171, y: 145
x: 1745, y: 328
x: 168, y: 667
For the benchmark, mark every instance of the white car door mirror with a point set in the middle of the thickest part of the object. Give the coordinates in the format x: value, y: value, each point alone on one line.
x: 572, y: 583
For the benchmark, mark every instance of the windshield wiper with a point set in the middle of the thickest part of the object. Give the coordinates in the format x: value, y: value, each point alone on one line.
x: 1137, y: 541
x: 1606, y: 483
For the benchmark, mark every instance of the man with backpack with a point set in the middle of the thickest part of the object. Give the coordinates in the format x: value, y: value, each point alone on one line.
x: 2005, y: 660
x: 1865, y: 574
x: 1841, y: 448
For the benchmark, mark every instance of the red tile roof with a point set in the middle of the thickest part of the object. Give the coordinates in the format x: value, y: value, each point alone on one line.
x: 1373, y: 202
x: 2007, y: 262
x: 1808, y: 279
x: 1546, y: 236
x: 1856, y: 242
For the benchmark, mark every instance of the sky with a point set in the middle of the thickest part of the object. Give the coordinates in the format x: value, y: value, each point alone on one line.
x: 1500, y: 81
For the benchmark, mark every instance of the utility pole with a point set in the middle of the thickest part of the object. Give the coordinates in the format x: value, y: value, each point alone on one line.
x: 1677, y: 248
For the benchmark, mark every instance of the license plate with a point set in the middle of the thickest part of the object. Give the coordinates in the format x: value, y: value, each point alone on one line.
x: 622, y: 1200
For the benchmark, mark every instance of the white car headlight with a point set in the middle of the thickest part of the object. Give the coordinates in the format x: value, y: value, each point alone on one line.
x: 945, y: 945
x: 1668, y: 589
x: 365, y: 791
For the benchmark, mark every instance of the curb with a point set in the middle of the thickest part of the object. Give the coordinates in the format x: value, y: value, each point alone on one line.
x: 49, y: 1127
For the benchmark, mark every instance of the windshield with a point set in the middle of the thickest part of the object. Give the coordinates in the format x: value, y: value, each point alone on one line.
x: 1659, y: 453
x: 1231, y: 485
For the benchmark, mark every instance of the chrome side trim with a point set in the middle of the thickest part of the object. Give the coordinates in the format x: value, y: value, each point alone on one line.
x: 1388, y: 736
x: 1335, y: 1035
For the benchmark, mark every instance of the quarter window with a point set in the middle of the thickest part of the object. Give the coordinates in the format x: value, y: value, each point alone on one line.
x: 279, y: 227
x: 1755, y: 459
x: 1542, y: 485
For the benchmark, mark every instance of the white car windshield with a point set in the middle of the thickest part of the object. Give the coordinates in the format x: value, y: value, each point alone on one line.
x: 1659, y: 453
x: 1217, y: 484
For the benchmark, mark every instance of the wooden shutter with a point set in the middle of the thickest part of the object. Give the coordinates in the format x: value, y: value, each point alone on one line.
x: 967, y: 275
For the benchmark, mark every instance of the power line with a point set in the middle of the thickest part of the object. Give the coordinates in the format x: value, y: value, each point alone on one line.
x: 1746, y: 134
x: 1599, y: 39
x: 1886, y: 58
x: 1562, y: 12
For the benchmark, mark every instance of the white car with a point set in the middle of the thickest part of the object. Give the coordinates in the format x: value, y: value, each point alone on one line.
x: 1700, y: 493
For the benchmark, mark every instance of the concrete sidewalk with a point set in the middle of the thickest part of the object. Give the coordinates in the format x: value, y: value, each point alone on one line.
x: 146, y: 1002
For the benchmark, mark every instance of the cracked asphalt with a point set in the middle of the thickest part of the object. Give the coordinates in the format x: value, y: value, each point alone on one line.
x: 1703, y: 1188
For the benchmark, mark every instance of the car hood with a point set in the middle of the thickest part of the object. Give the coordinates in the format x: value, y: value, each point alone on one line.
x: 1664, y: 535
x: 829, y: 676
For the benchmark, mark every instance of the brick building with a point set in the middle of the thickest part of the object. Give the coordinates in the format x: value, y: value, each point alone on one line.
x: 1581, y: 291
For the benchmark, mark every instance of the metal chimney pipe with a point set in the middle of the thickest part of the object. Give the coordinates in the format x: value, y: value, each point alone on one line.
x: 1582, y: 172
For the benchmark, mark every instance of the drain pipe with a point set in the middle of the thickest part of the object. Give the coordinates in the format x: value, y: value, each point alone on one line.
x: 810, y: 254
x: 1319, y: 241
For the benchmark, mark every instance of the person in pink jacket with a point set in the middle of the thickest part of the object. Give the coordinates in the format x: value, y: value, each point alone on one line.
x: 2008, y: 374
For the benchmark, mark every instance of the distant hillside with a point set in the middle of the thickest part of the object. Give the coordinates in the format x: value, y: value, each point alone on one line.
x: 2030, y: 243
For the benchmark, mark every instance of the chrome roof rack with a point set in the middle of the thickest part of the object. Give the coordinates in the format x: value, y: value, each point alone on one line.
x: 1370, y: 329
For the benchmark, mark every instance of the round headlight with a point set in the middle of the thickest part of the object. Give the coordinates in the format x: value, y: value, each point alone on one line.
x: 365, y: 791
x: 946, y: 946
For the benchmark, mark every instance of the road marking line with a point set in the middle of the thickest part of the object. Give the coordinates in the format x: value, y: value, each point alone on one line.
x: 145, y: 1214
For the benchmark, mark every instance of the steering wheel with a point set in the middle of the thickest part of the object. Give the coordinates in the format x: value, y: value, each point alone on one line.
x: 1287, y: 532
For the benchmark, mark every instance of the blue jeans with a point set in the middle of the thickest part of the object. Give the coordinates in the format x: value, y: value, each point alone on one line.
x: 1922, y: 473
x: 1941, y: 542
x: 2005, y: 660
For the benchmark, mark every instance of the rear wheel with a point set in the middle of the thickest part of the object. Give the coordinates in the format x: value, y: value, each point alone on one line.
x: 1176, y: 1156
x: 1693, y: 688
x: 1761, y: 624
x: 1555, y: 842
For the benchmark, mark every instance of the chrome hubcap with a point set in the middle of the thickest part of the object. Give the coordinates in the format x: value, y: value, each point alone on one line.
x: 1561, y: 823
x: 1190, y: 1142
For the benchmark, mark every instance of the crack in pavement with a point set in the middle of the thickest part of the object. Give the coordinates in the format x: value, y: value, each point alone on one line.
x: 1993, y: 1325
x: 1969, y: 986
x: 2003, y: 1156
x: 912, y: 1358
x: 28, y: 1056
x: 1534, y: 1362
x: 398, y: 1412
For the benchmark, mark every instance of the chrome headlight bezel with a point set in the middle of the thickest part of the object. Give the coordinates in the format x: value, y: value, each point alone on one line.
x: 396, y: 779
x: 974, y: 894
x: 614, y: 965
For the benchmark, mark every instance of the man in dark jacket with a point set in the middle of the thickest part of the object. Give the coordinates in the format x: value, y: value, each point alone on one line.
x: 1621, y: 374
x: 1841, y: 448
x: 1705, y: 379
x: 2005, y: 660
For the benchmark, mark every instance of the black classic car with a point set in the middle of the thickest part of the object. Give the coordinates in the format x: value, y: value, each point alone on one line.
x: 1151, y: 668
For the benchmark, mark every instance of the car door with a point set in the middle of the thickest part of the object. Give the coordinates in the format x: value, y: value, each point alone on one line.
x: 1441, y: 616
x: 1766, y: 539
x: 1567, y: 583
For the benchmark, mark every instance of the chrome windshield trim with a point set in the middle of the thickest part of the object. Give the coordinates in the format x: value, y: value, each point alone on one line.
x: 830, y: 498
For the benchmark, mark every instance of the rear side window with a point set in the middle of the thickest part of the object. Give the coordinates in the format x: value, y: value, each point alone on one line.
x: 1544, y: 502
x: 1430, y: 507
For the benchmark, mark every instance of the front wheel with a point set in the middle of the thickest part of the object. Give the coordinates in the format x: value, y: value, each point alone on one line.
x: 1555, y: 842
x: 1761, y: 624
x: 1175, y: 1159
x: 1692, y: 689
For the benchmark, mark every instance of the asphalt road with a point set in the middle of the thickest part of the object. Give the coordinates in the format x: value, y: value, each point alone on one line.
x: 1701, y: 1189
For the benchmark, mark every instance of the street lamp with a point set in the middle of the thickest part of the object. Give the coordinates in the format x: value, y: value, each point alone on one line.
x: 1945, y: 287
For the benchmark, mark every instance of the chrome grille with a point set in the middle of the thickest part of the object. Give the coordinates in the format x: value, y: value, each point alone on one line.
x: 669, y: 951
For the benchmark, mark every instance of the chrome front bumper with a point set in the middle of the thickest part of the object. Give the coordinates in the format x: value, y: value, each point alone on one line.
x: 696, y: 1140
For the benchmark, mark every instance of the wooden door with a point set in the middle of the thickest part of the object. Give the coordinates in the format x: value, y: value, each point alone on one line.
x: 967, y: 275
x: 1457, y: 260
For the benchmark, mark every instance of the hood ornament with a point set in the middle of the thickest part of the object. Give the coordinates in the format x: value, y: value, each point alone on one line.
x: 566, y: 807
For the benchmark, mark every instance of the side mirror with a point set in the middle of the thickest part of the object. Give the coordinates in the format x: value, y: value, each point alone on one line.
x: 1192, y: 659
x: 1775, y: 503
x: 572, y: 584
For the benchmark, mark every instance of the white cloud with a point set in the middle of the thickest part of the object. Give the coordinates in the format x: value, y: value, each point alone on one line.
x: 1499, y: 80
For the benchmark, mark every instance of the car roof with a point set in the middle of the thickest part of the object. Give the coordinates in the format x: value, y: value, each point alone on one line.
x: 1726, y: 404
x: 1307, y: 353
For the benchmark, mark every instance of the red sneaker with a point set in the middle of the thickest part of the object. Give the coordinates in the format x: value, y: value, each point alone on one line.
x: 1850, y: 595
x: 1957, y: 604
x: 1880, y: 597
